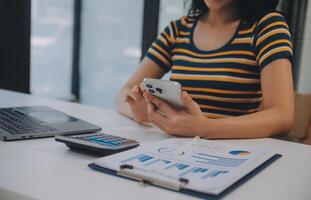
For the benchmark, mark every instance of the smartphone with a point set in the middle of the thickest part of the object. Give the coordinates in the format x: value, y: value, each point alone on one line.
x: 169, y: 91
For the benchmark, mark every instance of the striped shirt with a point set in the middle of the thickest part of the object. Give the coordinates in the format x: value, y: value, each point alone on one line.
x: 225, y: 81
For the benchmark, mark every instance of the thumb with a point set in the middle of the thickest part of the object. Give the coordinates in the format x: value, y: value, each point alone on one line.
x: 191, y: 105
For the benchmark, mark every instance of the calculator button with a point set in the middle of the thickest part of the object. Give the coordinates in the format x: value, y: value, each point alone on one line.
x: 97, y: 140
x: 103, y: 141
x: 114, y: 143
x: 93, y: 141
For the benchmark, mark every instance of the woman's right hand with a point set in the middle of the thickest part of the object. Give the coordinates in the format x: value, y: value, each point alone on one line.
x: 137, y: 104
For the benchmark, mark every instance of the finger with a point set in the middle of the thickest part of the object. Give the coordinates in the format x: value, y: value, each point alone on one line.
x: 138, y: 92
x: 155, y: 116
x: 160, y: 104
x: 141, y: 87
x: 191, y: 105
x: 131, y: 95
x: 135, y: 93
x: 129, y: 99
x: 158, y: 119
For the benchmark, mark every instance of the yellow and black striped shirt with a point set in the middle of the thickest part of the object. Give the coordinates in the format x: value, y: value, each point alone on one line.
x: 226, y: 81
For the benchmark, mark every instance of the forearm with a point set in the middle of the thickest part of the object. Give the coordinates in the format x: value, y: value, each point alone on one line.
x: 264, y: 123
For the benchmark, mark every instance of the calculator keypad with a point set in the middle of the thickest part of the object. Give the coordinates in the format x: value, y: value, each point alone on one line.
x: 106, y: 139
x: 98, y: 143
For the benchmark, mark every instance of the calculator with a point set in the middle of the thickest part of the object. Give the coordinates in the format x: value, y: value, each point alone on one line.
x: 101, y: 144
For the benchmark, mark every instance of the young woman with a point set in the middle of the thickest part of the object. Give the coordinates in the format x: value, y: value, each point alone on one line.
x: 233, y: 60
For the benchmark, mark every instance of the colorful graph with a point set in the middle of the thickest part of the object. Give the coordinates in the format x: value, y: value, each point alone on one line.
x: 218, y: 160
x: 193, y: 171
x: 179, y: 166
x: 170, y: 168
x: 140, y: 158
x: 156, y: 161
x: 214, y: 173
x: 239, y: 153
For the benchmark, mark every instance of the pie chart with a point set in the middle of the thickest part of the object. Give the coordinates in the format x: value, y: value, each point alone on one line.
x: 239, y: 153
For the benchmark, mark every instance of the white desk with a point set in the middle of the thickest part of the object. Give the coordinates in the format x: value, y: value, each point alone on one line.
x: 45, y: 169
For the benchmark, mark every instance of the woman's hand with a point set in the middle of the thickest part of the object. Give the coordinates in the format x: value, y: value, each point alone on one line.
x: 138, y: 104
x: 183, y: 123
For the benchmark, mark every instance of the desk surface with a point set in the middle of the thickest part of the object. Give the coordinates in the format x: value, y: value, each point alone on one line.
x: 44, y: 169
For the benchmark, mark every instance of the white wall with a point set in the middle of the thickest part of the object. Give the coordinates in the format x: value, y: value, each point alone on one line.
x: 304, y: 82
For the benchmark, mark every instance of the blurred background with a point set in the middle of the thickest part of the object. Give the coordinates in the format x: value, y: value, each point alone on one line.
x: 85, y: 50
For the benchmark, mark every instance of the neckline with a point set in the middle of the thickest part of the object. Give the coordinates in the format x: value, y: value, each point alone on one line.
x: 212, y: 50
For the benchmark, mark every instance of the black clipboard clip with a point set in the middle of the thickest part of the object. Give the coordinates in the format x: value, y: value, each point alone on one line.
x: 129, y: 172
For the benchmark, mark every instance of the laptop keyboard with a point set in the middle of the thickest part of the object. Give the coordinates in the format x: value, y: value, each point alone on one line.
x: 16, y: 122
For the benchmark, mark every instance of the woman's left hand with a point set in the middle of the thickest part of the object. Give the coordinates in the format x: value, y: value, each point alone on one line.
x: 182, y: 123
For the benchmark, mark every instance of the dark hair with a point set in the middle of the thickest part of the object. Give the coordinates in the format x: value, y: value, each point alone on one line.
x: 250, y: 10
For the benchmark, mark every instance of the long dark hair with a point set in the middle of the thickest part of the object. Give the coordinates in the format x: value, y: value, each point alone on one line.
x: 250, y: 10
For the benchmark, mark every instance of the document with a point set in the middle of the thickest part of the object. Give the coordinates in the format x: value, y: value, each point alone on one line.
x: 206, y: 166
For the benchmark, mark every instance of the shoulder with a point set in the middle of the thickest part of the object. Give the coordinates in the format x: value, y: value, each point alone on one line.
x: 184, y: 21
x: 272, y: 39
x: 271, y: 17
x: 181, y: 24
x: 271, y: 21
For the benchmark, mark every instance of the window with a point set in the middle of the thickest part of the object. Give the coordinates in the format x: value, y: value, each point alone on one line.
x: 51, y: 47
x: 304, y: 83
x: 170, y: 10
x: 110, y: 45
x: 110, y: 48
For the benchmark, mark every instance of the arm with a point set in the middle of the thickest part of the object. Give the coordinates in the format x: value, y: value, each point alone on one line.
x: 275, y: 117
x: 277, y: 113
x: 129, y: 101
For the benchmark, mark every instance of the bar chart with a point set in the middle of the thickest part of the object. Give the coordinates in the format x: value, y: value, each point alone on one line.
x: 173, y: 168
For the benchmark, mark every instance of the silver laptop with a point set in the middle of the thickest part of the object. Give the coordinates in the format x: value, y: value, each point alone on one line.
x: 19, y: 123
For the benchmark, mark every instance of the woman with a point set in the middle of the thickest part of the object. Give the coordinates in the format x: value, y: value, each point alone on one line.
x: 233, y: 59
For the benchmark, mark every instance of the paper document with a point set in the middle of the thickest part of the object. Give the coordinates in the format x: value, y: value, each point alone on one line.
x: 210, y: 166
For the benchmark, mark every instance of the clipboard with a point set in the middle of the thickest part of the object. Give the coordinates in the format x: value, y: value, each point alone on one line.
x: 125, y: 171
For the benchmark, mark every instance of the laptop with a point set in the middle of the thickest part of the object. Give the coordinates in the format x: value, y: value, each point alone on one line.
x: 18, y: 123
